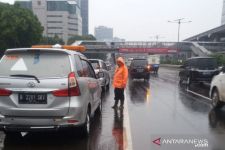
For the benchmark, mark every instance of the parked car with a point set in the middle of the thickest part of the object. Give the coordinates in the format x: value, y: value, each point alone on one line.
x: 139, y: 68
x: 100, y: 67
x: 108, y: 65
x: 217, y: 89
x: 198, y: 69
x: 47, y: 89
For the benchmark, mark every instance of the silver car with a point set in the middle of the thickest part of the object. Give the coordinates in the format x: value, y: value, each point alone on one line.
x: 101, y: 68
x: 47, y: 89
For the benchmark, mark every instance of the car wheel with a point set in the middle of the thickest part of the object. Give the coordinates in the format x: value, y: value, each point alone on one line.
x: 181, y: 81
x: 99, y: 109
x: 104, y: 88
x: 12, y: 133
x: 13, y: 136
x: 107, y: 86
x: 216, y: 103
x: 213, y: 119
x: 147, y: 79
x: 188, y: 81
x: 87, y: 125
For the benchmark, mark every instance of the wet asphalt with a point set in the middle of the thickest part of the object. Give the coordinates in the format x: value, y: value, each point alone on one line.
x: 159, y: 108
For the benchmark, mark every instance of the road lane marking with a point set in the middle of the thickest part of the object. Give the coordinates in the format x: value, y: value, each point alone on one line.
x: 126, y: 126
x: 202, y: 96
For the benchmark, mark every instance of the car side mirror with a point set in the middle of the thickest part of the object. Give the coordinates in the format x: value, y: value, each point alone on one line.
x: 223, y: 69
x: 182, y: 66
x: 100, y: 75
x: 108, y: 68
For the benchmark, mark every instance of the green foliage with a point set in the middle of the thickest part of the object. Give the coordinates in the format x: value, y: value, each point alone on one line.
x: 220, y: 58
x: 19, y: 27
x: 171, y: 61
x: 78, y: 38
x: 51, y: 40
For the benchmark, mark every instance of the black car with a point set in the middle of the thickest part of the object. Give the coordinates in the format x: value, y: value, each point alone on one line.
x: 139, y: 69
x: 198, y: 69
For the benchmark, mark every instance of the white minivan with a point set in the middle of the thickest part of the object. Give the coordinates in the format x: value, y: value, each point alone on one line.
x: 217, y: 89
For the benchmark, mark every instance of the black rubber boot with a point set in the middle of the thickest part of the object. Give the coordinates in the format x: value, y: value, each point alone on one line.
x: 115, y: 105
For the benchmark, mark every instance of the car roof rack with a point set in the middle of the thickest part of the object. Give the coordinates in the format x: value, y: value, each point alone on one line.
x: 66, y: 47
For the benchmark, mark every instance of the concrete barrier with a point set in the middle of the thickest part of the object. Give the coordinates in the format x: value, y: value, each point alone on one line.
x: 170, y: 66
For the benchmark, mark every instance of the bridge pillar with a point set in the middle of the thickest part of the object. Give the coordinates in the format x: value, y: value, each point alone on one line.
x: 113, y: 55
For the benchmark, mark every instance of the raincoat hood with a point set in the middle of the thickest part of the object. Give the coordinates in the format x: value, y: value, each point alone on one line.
x: 120, y: 60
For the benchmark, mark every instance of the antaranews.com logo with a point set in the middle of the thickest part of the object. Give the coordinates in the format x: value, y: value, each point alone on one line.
x: 184, y: 142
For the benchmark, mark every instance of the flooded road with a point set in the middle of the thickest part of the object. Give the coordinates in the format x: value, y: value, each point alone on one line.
x: 164, y: 110
x: 157, y: 110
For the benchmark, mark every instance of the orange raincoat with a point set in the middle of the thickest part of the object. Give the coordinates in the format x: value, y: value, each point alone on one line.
x: 121, y: 74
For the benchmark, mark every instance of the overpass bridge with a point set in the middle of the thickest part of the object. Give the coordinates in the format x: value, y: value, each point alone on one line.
x: 196, y: 48
x: 134, y: 47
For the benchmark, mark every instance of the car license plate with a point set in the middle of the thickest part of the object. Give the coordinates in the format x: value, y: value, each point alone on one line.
x: 32, y: 98
x: 139, y: 70
x: 206, y: 73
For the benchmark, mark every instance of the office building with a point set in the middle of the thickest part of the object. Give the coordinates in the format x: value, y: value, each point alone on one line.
x: 223, y: 14
x: 60, y: 18
x: 103, y: 33
x: 85, y: 16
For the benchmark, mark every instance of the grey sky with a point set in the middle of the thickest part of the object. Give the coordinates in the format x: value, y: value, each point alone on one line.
x: 143, y: 19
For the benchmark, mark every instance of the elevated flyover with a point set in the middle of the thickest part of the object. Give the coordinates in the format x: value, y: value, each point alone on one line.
x: 135, y: 47
x: 194, y: 47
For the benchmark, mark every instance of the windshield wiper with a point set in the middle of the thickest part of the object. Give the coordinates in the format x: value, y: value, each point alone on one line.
x: 27, y: 76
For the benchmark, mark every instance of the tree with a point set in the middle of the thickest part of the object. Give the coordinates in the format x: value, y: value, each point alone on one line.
x: 19, y: 27
x: 79, y: 37
x: 51, y: 40
x: 220, y: 58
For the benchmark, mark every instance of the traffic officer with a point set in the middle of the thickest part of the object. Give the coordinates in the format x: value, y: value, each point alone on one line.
x: 120, y: 82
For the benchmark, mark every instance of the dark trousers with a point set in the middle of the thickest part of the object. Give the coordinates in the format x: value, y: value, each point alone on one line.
x: 119, y: 95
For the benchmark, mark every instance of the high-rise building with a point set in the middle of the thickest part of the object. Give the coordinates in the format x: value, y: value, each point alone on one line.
x: 84, y: 15
x: 103, y: 33
x: 60, y: 18
x: 223, y: 14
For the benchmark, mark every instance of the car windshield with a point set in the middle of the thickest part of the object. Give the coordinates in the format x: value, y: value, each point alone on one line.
x: 95, y: 64
x: 205, y: 63
x: 139, y: 62
x: 38, y: 63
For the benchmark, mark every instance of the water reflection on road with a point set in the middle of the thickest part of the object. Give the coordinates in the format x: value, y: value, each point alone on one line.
x: 139, y: 91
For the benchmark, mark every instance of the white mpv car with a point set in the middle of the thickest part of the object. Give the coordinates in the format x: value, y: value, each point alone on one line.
x: 217, y: 89
x: 47, y: 89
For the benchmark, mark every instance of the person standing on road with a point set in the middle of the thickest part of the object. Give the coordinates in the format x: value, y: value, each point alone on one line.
x: 120, y: 82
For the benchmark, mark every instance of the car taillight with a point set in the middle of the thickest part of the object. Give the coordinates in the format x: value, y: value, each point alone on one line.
x: 148, y: 68
x: 4, y: 92
x: 61, y: 93
x: 73, y: 88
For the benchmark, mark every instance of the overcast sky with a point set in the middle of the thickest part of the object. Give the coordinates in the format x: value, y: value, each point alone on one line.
x: 144, y: 19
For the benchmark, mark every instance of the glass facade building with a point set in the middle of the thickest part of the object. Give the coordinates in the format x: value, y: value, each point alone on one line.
x: 103, y: 33
x: 223, y: 14
x: 60, y: 18
x: 71, y: 7
x: 25, y: 4
x: 85, y: 16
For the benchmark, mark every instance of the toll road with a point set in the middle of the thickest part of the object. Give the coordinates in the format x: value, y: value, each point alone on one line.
x: 161, y: 109
x: 154, y: 111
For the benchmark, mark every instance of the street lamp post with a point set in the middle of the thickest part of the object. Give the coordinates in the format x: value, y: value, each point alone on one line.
x: 178, y: 21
